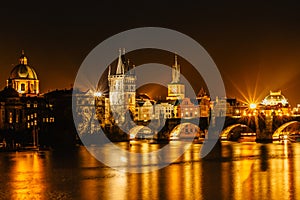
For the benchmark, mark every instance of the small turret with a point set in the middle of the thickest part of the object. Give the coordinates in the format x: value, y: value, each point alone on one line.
x: 23, y: 58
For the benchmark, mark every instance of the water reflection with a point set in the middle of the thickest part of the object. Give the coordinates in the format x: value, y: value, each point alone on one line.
x: 245, y: 171
x: 25, y: 176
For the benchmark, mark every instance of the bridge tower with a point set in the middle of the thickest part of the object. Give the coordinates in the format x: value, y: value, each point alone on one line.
x: 122, y: 89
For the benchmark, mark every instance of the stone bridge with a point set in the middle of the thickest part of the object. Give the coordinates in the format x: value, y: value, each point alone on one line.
x: 266, y: 128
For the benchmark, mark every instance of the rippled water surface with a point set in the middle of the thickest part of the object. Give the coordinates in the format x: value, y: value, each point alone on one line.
x: 245, y: 171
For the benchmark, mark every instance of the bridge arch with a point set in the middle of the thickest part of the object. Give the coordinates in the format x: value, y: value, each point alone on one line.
x: 140, y: 132
x: 234, y: 131
x: 287, y: 129
x: 185, y: 130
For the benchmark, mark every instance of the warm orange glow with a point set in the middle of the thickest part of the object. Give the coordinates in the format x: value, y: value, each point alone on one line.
x: 252, y: 105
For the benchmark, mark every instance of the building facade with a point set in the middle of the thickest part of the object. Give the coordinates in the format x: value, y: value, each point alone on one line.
x: 24, y: 114
x: 122, y: 92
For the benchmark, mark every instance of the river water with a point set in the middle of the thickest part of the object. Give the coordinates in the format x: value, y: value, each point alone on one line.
x: 246, y: 171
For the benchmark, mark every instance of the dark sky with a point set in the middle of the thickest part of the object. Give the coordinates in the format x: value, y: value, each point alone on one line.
x: 256, y: 45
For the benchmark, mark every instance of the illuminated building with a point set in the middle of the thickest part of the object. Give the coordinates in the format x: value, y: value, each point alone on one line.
x: 176, y: 90
x: 89, y: 111
x: 187, y: 109
x: 144, y: 111
x: 163, y: 110
x: 147, y: 109
x: 274, y: 99
x: 219, y: 107
x: 122, y: 89
x: 23, y: 78
x: 275, y: 104
x: 24, y: 114
x: 229, y: 107
x: 204, y: 103
x: 296, y: 110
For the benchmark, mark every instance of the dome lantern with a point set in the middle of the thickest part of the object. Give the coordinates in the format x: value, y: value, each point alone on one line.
x: 23, y: 59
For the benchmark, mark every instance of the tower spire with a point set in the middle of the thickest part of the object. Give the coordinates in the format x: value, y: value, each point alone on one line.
x: 176, y: 71
x: 120, y: 65
x: 109, y: 70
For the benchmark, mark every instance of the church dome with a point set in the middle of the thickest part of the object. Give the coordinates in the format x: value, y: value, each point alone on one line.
x: 23, y: 78
x: 22, y: 70
x: 275, y: 98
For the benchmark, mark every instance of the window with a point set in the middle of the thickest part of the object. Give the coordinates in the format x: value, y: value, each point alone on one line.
x: 22, y: 87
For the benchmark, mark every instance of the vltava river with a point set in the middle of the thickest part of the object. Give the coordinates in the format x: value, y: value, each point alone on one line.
x: 246, y: 171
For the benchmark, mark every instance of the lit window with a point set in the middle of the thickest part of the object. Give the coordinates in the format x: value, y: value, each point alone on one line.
x: 35, y: 115
x: 28, y: 117
x: 28, y: 125
x: 10, y: 117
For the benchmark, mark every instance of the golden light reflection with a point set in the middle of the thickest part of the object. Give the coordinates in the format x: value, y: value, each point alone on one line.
x: 28, y: 176
x: 296, y: 172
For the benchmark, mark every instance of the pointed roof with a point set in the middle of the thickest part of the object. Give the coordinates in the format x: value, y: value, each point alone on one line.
x: 120, y: 65
x: 176, y: 71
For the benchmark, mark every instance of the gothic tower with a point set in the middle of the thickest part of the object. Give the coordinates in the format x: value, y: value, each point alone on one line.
x: 176, y: 90
x: 122, y: 88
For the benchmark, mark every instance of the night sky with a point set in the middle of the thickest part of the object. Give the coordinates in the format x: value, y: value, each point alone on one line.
x: 256, y: 45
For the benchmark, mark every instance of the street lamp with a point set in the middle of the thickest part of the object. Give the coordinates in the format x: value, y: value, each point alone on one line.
x: 98, y: 94
x: 252, y: 106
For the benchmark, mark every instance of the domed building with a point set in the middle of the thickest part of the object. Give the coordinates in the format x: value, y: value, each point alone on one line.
x: 274, y: 99
x: 23, y: 78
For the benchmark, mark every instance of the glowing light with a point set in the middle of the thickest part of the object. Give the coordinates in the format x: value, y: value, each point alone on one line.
x: 285, y: 137
x: 98, y: 94
x: 252, y: 106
